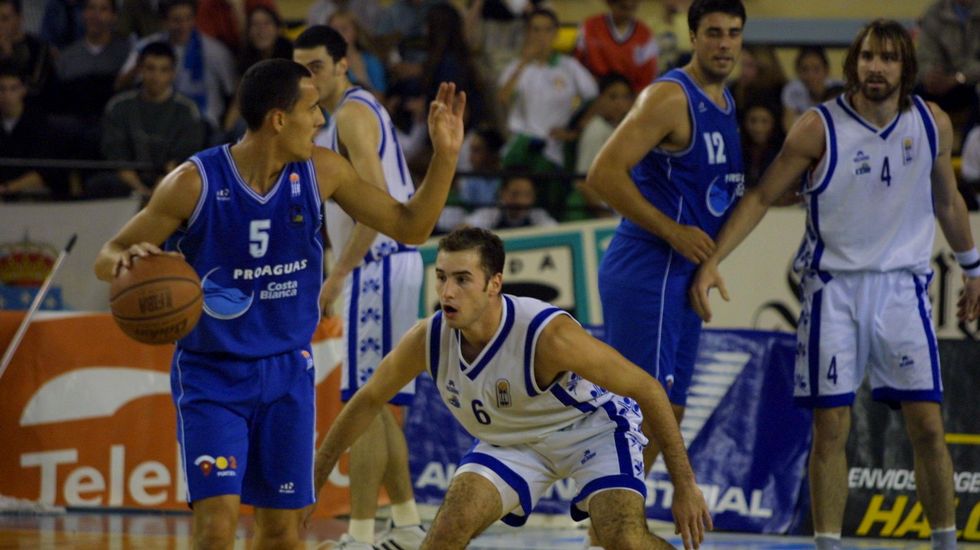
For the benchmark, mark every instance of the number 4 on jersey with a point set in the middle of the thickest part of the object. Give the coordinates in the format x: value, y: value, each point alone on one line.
x: 886, y: 173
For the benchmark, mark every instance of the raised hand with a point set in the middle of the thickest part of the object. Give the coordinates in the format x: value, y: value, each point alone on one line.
x: 446, y: 120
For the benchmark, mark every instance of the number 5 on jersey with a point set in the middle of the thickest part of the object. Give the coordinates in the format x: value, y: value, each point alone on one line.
x: 258, y: 237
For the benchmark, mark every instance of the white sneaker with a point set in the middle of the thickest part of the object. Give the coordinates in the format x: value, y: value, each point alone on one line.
x: 408, y: 537
x: 347, y: 542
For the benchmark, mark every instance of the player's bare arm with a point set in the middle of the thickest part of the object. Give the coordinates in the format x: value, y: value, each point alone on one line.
x: 396, y: 370
x: 658, y: 119
x: 565, y: 346
x: 952, y: 214
x: 171, y: 205
x: 359, y: 135
x: 413, y: 221
x: 804, y: 146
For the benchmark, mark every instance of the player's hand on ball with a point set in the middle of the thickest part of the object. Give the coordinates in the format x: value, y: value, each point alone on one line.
x: 138, y: 250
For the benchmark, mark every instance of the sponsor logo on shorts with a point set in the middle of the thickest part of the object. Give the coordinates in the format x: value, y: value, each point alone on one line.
x: 309, y: 359
x: 287, y: 488
x: 225, y: 466
x: 906, y: 362
x: 588, y: 455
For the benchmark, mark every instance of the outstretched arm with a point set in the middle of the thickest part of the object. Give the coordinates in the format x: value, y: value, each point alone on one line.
x: 658, y: 119
x: 954, y: 219
x: 396, y: 370
x: 413, y: 221
x: 565, y: 346
x: 803, y: 147
x: 172, y: 204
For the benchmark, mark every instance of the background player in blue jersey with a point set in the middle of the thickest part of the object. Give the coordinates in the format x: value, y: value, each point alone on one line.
x: 525, y: 379
x: 878, y: 176
x: 375, y: 315
x: 247, y: 218
x: 673, y: 169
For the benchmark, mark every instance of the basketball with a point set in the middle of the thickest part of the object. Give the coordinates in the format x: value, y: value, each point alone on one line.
x: 158, y: 300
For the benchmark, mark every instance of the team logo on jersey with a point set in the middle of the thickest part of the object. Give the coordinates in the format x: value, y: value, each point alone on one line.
x: 454, y: 401
x: 294, y: 184
x: 224, y: 194
x: 862, y: 165
x: 503, y: 393
x: 906, y: 150
x: 451, y: 387
x: 296, y: 214
x: 721, y: 195
x: 860, y: 156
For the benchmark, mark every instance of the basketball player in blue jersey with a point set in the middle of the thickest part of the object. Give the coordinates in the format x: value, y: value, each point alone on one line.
x: 247, y: 218
x: 878, y: 169
x: 380, y: 279
x: 545, y: 400
x: 673, y: 169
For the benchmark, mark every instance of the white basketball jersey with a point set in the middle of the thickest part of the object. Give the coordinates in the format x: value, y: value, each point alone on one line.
x: 397, y: 176
x: 495, y: 396
x: 869, y: 199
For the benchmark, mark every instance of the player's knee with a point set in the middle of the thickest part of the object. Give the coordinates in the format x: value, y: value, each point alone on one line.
x: 625, y: 539
x: 830, y: 430
x: 214, y: 534
x: 444, y: 536
x: 927, y: 433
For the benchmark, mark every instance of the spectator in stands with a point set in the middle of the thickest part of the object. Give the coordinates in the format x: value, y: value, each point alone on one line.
x: 23, y: 134
x: 401, y: 30
x: 672, y: 34
x: 226, y: 20
x: 618, y: 42
x: 970, y: 169
x: 949, y: 56
x: 761, y: 78
x: 482, y: 155
x: 367, y: 13
x: 139, y: 18
x: 540, y: 91
x: 153, y: 124
x: 516, y: 208
x: 30, y: 55
x: 810, y: 86
x: 495, y: 29
x: 615, y: 100
x: 364, y: 68
x: 86, y: 71
x: 264, y: 39
x: 205, y: 68
x: 762, y: 137
x: 62, y: 22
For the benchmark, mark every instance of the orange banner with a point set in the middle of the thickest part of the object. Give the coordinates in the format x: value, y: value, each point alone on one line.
x: 86, y: 417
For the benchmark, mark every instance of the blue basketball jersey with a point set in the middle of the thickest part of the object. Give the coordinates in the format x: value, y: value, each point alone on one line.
x: 260, y: 259
x: 700, y: 184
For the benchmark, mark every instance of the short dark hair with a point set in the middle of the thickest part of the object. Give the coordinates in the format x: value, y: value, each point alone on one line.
x: 112, y: 5
x: 544, y: 12
x: 812, y: 51
x: 322, y: 35
x: 882, y: 30
x: 700, y: 8
x: 491, y: 137
x: 14, y: 4
x: 489, y: 246
x: 167, y: 5
x: 267, y: 85
x: 158, y: 49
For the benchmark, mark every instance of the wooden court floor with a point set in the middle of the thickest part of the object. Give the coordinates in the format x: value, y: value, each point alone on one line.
x: 171, y: 531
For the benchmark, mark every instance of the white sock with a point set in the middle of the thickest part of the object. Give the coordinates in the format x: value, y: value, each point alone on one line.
x: 362, y: 530
x: 405, y: 513
x: 944, y: 539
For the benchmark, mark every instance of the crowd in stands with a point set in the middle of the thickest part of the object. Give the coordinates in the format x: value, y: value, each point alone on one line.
x: 146, y: 83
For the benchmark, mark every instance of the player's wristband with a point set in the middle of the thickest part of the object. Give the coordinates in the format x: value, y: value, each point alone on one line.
x: 969, y: 262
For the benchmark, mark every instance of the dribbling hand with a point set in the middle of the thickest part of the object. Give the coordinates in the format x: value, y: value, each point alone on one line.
x: 141, y: 250
x: 446, y: 120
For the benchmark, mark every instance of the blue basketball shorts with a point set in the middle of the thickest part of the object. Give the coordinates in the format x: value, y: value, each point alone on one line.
x: 246, y: 426
x: 647, y: 314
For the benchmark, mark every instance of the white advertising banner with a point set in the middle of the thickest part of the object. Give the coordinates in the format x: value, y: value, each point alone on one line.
x: 32, y: 235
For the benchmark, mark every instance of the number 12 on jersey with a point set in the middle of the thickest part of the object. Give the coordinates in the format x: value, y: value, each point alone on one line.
x: 716, y: 147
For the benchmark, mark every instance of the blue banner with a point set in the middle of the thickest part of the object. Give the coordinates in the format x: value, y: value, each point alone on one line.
x: 747, y: 441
